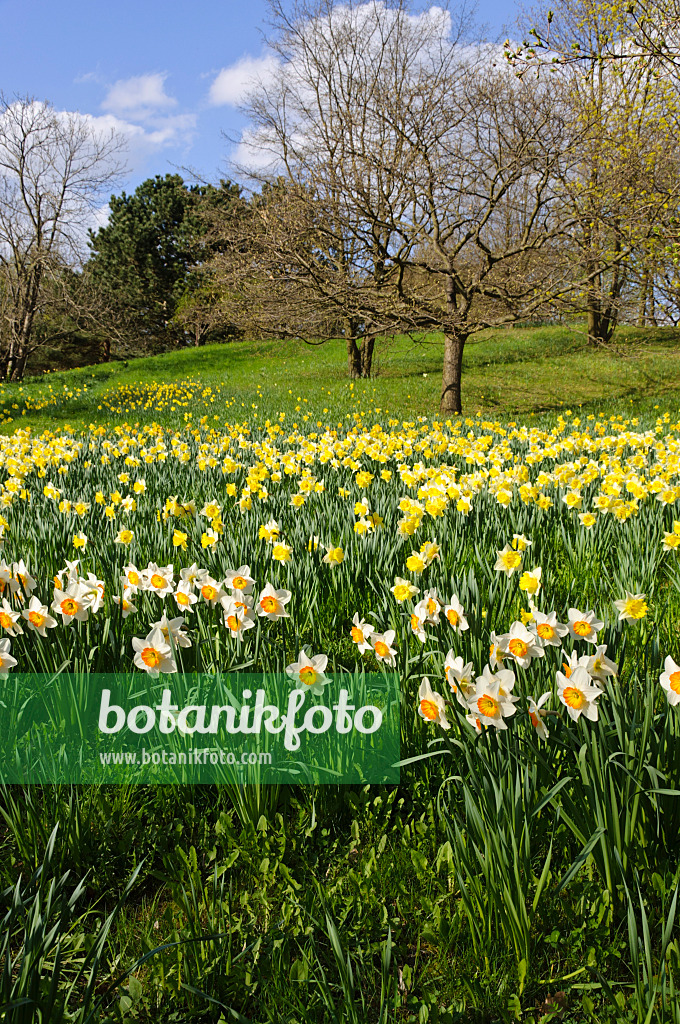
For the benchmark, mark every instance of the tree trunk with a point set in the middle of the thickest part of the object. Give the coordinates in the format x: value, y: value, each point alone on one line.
x: 353, y: 353
x: 642, y: 310
x: 454, y: 343
x: 367, y: 355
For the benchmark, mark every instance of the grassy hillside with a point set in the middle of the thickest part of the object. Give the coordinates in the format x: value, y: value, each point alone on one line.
x: 520, y: 372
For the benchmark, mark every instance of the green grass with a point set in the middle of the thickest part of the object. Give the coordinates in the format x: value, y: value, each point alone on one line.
x: 511, y: 373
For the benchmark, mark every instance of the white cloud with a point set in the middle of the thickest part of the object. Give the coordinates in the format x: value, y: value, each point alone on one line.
x: 233, y: 83
x: 139, y: 97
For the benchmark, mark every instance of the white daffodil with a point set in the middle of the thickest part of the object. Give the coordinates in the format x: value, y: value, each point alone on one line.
x: 546, y: 627
x: 584, y: 625
x: 158, y: 579
x: 132, y: 579
x: 670, y: 681
x: 599, y: 667
x: 153, y: 654
x: 382, y: 647
x: 521, y: 645
x: 271, y: 603
x: 361, y: 633
x: 6, y: 660
x: 310, y: 672
x: 239, y: 579
x: 492, y: 701
x: 496, y: 653
x: 37, y: 617
x: 72, y: 603
x: 418, y: 625
x: 432, y: 706
x: 578, y: 694
x: 459, y: 677
x: 211, y: 591
x: 238, y: 617
x: 429, y: 607
x: 193, y: 575
x: 9, y: 619
x: 184, y: 596
x: 125, y: 602
x: 537, y: 716
x: 455, y: 614
x: 172, y: 627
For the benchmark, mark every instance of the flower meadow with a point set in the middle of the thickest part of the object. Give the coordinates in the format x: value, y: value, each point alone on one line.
x: 524, y: 584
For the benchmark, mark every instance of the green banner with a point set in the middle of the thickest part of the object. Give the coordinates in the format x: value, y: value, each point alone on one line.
x: 231, y: 729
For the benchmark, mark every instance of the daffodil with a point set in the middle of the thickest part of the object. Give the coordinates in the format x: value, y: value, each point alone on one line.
x: 361, y: 633
x: 124, y: 536
x: 432, y: 706
x: 538, y: 716
x: 521, y: 644
x: 429, y: 607
x: 73, y: 604
x: 172, y: 628
x: 599, y: 666
x: 403, y: 590
x: 584, y: 625
x: 631, y: 608
x: 530, y: 582
x: 455, y: 615
x: 184, y: 596
x: 159, y: 579
x: 211, y: 591
x: 508, y: 560
x: 271, y: 603
x: 132, y: 579
x: 239, y: 579
x: 79, y: 540
x: 334, y: 556
x: 578, y: 694
x: 126, y: 604
x: 153, y: 654
x: 281, y: 552
x: 382, y: 647
x: 492, y: 701
x: 459, y: 677
x: 9, y: 619
x: 670, y: 681
x: 237, y: 616
x: 547, y: 629
x: 38, y: 618
x: 6, y: 660
x: 309, y: 672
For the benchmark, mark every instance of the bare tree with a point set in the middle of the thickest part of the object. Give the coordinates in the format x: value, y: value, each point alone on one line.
x: 55, y: 168
x: 442, y: 168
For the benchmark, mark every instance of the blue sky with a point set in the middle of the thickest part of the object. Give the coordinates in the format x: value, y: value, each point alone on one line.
x: 167, y: 74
